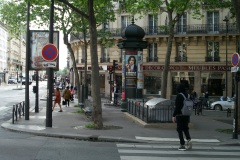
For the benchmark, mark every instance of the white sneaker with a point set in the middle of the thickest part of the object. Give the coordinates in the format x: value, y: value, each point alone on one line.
x: 189, y: 144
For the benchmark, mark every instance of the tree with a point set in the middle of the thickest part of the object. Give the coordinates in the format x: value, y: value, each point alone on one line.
x: 175, y: 10
x: 94, y: 13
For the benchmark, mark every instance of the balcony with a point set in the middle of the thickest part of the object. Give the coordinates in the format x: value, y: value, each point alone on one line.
x: 212, y: 59
x: 180, y: 59
x: 178, y: 30
x: 152, y: 59
x: 104, y: 60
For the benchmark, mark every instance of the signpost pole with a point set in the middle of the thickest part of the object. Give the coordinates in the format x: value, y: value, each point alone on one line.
x: 27, y: 65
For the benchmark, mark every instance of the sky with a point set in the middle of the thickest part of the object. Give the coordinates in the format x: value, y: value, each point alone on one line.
x: 62, y: 53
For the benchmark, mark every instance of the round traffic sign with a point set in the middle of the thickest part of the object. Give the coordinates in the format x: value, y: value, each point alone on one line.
x: 49, y: 52
x: 235, y: 59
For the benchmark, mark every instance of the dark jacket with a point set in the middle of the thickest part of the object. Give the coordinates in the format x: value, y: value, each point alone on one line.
x: 179, y: 99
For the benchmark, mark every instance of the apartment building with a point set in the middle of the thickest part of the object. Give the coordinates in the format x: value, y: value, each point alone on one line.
x: 201, y: 53
x: 16, y: 56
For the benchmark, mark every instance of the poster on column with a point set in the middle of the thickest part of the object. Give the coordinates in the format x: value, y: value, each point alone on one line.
x: 131, y: 61
x: 140, y: 70
x: 123, y: 69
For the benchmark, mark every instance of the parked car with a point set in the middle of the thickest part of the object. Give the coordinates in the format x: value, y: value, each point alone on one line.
x: 12, y: 81
x: 223, y: 104
x: 24, y: 81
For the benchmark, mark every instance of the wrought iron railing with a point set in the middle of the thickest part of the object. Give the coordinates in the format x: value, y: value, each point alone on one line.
x: 149, y: 114
x: 178, y: 30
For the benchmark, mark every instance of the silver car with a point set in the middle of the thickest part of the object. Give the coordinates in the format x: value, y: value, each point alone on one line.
x: 223, y: 105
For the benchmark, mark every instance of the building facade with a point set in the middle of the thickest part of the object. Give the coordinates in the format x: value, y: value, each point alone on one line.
x: 3, y: 52
x: 201, y: 53
x: 16, y: 57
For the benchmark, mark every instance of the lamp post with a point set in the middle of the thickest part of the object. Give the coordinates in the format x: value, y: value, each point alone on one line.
x: 226, y: 83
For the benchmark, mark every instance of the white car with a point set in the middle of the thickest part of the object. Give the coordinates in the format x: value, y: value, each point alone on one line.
x: 12, y: 81
x: 223, y: 105
x: 24, y: 80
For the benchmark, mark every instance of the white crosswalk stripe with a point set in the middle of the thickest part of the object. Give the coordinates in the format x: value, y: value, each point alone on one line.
x: 175, y: 139
x: 170, y: 152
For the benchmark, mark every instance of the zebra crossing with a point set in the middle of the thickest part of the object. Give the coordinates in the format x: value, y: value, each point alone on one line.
x: 170, y: 152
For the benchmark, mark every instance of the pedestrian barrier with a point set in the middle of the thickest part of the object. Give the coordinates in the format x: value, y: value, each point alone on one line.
x: 229, y: 112
x: 148, y: 114
x: 18, y: 111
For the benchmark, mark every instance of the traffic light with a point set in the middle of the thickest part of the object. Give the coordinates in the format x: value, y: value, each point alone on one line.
x: 17, y: 67
x: 115, y: 64
x: 110, y: 69
x: 35, y: 89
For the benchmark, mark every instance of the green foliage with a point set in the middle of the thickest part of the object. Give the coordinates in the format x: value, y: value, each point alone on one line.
x: 65, y: 18
x: 91, y: 126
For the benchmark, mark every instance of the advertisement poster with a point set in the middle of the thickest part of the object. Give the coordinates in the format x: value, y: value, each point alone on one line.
x: 123, y: 69
x: 38, y: 39
x: 131, y: 69
x: 140, y: 71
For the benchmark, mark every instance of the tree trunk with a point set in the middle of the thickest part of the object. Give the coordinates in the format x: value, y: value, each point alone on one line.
x: 74, y: 63
x: 95, y: 80
x: 167, y: 58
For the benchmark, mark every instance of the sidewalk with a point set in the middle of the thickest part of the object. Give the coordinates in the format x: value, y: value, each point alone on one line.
x: 122, y: 127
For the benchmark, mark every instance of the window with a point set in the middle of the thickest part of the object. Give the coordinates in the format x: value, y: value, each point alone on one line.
x: 212, y: 52
x: 238, y: 45
x: 83, y: 54
x: 124, y: 22
x: 152, y: 22
x: 213, y: 22
x: 105, y: 25
x: 152, y: 52
x: 181, y: 52
x: 104, y: 55
x: 182, y: 24
x: 178, y: 76
x: 213, y: 82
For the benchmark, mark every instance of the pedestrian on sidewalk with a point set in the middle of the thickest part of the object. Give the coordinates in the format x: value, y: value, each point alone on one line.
x: 182, y: 121
x: 67, y: 95
x: 57, y: 99
x: 72, y: 93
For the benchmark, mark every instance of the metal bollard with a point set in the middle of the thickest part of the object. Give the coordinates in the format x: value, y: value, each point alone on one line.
x: 229, y: 112
x: 13, y: 111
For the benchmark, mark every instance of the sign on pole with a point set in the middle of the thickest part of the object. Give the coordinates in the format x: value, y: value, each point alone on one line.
x: 235, y: 59
x: 49, y: 52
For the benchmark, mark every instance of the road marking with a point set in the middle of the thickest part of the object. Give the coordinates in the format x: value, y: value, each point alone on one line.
x: 175, y: 139
x: 169, y: 152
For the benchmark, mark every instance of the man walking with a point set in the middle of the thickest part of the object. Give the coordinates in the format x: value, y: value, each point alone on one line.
x: 182, y: 121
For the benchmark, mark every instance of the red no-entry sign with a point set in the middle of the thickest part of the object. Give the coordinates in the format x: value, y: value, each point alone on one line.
x: 49, y: 52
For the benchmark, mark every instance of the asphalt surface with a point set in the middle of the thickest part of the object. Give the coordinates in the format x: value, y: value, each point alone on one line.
x: 122, y: 127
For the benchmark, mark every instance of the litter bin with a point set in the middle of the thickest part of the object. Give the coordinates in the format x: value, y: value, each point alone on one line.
x: 159, y: 110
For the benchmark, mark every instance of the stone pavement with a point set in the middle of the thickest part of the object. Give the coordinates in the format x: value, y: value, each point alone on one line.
x: 121, y: 127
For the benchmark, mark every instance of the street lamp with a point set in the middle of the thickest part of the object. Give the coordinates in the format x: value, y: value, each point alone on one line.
x: 226, y: 86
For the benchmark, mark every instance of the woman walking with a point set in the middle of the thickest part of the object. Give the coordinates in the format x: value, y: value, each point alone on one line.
x: 57, y: 99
